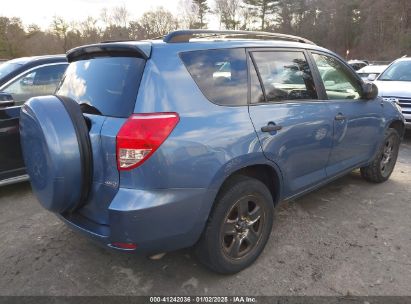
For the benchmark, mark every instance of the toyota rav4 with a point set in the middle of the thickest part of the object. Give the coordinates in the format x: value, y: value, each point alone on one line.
x: 192, y: 140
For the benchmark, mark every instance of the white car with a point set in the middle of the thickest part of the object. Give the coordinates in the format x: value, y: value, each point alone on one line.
x: 395, y: 84
x: 357, y: 64
x: 371, y: 72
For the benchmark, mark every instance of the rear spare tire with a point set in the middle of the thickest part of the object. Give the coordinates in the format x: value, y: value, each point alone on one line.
x: 57, y: 152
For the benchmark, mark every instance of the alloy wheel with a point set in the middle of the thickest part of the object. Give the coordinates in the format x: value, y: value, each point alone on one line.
x: 242, y: 228
x: 388, y: 156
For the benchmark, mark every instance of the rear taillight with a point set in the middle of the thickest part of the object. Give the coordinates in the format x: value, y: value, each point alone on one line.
x: 141, y: 135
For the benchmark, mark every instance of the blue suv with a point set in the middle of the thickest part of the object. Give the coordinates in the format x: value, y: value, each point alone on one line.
x: 152, y: 146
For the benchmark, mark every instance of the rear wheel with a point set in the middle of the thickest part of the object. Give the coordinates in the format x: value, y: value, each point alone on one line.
x: 382, y: 166
x: 239, y: 226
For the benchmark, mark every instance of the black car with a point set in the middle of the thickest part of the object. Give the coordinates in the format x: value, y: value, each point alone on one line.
x: 21, y: 79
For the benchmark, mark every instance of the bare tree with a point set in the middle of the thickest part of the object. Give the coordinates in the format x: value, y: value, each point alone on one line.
x: 366, y: 27
x: 247, y: 18
x: 60, y: 28
x: 227, y: 11
x: 89, y: 30
x: 188, y: 12
x: 158, y: 22
x: 105, y: 16
x: 120, y: 16
x: 136, y: 31
x: 12, y: 36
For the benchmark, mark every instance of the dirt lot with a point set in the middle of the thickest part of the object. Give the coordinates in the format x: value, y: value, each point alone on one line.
x: 350, y: 237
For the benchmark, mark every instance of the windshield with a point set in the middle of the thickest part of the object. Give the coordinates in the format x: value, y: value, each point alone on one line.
x: 398, y: 71
x: 7, y: 67
x: 107, y: 84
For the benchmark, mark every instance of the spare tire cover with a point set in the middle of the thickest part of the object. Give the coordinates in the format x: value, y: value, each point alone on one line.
x: 51, y: 153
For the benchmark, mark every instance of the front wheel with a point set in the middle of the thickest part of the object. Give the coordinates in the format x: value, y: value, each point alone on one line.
x: 239, y: 226
x: 382, y: 166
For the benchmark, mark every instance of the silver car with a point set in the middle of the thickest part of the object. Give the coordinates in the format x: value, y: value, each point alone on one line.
x: 394, y: 84
x: 371, y: 72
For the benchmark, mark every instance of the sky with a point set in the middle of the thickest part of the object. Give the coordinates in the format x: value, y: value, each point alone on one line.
x: 41, y: 12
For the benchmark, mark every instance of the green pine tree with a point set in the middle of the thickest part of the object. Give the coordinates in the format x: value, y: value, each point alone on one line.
x: 261, y: 9
x: 203, y: 9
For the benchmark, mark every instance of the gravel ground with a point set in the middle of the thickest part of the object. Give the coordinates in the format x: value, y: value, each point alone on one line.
x: 350, y: 237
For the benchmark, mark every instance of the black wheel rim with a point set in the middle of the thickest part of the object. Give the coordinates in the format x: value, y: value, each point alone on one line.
x: 388, y: 156
x: 242, y: 228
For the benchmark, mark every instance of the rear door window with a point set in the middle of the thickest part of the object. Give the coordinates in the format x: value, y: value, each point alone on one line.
x: 285, y: 75
x: 220, y: 74
x: 107, y: 84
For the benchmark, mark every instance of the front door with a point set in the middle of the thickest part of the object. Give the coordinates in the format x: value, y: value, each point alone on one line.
x: 358, y: 124
x: 11, y: 160
x: 294, y: 127
x: 38, y: 81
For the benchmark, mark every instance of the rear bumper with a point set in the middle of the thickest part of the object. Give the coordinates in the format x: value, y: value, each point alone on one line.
x: 156, y: 220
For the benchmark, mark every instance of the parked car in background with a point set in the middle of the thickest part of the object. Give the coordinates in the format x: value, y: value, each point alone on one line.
x: 21, y: 79
x: 357, y: 64
x: 371, y: 72
x: 153, y: 146
x: 394, y: 84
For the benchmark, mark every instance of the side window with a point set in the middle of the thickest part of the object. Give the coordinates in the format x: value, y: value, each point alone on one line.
x: 338, y: 83
x: 284, y: 75
x: 220, y: 74
x: 256, y: 91
x: 37, y: 82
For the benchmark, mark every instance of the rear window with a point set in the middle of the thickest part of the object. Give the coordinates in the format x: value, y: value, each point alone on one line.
x: 107, y: 84
x: 220, y: 74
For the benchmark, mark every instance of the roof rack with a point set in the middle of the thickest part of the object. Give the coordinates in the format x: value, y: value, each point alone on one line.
x: 118, y: 40
x: 186, y: 35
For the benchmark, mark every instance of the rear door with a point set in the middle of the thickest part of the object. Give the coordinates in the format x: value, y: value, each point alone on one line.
x: 358, y: 123
x: 41, y: 80
x: 294, y: 127
x: 105, y: 85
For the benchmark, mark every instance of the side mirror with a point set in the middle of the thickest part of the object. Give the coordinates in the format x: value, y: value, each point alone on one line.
x: 369, y: 91
x: 6, y: 100
x: 372, y: 77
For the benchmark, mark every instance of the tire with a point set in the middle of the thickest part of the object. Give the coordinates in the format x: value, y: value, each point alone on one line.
x: 83, y: 139
x: 234, y: 249
x: 57, y: 152
x: 382, y: 166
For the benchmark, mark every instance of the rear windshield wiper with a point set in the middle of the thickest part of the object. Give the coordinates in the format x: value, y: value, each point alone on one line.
x: 89, y: 109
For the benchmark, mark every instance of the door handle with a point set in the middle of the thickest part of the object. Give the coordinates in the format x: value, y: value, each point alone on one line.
x: 340, y: 117
x: 271, y: 127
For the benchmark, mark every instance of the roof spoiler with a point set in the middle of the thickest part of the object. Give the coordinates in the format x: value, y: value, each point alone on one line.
x: 137, y: 49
